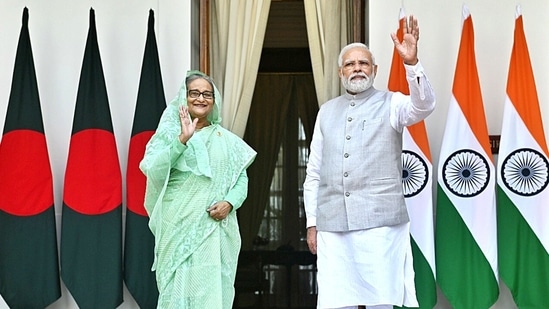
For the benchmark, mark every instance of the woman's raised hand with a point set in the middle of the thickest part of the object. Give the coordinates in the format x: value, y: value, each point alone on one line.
x: 188, y: 126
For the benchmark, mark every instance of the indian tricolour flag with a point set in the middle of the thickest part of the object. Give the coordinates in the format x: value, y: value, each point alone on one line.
x: 523, y: 194
x: 465, y: 236
x: 417, y: 171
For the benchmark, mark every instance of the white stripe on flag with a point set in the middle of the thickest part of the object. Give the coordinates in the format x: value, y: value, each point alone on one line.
x: 535, y: 215
x: 478, y: 213
x: 420, y: 207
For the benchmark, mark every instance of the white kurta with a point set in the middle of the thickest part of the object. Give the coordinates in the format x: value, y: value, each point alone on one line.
x: 368, y: 276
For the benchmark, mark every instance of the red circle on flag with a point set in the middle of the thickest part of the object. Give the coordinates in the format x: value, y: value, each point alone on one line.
x: 93, y: 180
x: 26, y: 185
x: 135, y: 179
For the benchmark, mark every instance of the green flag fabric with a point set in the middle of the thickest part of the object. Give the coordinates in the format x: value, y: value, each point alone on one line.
x: 91, y: 234
x: 139, y: 241
x: 29, y: 271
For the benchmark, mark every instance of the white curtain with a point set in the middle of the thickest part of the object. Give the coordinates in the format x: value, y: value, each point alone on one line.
x: 238, y: 29
x: 327, y: 31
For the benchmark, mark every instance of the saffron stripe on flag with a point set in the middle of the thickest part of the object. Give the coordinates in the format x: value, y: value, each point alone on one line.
x: 466, y: 235
x: 523, y: 233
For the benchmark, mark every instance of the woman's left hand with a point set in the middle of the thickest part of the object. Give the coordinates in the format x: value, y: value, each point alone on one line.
x: 220, y: 210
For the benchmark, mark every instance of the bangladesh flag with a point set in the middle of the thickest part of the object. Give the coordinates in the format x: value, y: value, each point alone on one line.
x: 139, y: 241
x: 29, y: 269
x: 465, y: 236
x: 91, y: 235
x: 523, y: 192
x: 417, y: 179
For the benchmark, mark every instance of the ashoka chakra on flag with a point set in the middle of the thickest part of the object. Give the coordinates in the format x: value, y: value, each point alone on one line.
x: 466, y: 173
x: 414, y: 173
x: 525, y: 172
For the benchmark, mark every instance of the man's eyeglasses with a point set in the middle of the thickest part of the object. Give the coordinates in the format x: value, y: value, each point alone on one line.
x: 207, y: 95
x: 350, y: 65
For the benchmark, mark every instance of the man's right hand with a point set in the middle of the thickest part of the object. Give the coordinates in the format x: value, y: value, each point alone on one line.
x: 311, y: 239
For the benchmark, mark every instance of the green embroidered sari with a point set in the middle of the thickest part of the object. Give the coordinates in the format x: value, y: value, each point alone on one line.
x: 195, y: 256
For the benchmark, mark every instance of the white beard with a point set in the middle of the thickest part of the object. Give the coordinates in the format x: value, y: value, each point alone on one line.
x: 358, y: 86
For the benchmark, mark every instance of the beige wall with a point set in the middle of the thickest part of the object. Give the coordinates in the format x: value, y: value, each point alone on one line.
x: 440, y: 27
x: 58, y: 30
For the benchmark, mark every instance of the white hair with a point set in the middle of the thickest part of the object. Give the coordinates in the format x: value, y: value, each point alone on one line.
x: 350, y: 46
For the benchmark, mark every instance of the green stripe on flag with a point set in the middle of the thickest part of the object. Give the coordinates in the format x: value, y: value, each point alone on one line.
x: 463, y: 272
x: 524, y: 268
x: 424, y: 277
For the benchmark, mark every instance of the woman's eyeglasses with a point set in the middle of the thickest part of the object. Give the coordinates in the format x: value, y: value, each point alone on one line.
x: 207, y: 95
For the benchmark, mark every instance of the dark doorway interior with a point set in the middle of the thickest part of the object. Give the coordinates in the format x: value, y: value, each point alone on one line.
x: 280, y: 272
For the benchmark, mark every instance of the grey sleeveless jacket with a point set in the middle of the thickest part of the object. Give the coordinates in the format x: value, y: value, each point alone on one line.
x: 361, y: 174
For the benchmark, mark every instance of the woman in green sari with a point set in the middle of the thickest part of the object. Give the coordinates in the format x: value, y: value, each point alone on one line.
x: 196, y: 180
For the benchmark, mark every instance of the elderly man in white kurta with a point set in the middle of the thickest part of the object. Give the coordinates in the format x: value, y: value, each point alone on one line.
x: 357, y: 222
